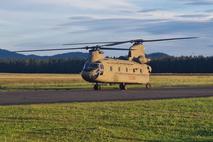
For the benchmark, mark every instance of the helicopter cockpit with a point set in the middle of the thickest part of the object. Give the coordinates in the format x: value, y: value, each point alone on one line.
x: 92, y: 70
x: 90, y: 67
x: 93, y: 66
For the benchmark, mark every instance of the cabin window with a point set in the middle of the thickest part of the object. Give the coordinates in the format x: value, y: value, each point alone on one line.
x: 111, y: 69
x: 101, y: 66
x: 127, y: 70
x: 119, y: 69
x: 141, y: 71
x: 134, y: 70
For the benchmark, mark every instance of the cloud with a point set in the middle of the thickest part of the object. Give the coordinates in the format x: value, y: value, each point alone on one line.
x: 81, y: 18
x: 172, y: 27
x: 149, y: 10
x: 194, y: 15
x: 44, y: 23
x: 89, y: 4
x: 199, y: 2
x: 209, y: 10
x: 111, y: 29
x: 177, y: 16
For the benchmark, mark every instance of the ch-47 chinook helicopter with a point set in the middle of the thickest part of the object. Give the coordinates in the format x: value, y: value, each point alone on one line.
x: 100, y: 70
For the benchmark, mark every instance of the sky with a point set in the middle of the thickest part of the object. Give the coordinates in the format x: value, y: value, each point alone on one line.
x: 39, y: 24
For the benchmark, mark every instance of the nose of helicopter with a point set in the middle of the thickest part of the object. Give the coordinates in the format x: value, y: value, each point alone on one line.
x: 89, y: 76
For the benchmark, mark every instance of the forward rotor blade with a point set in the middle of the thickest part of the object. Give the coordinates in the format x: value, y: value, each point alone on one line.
x: 106, y: 48
x: 116, y: 43
x: 56, y: 49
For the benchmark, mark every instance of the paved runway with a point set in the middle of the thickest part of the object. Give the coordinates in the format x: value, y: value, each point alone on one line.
x: 38, y: 97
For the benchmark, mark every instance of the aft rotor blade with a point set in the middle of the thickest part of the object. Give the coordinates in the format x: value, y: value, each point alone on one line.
x: 142, y: 40
x: 167, y: 39
x: 85, y: 43
x: 56, y: 49
x: 114, y: 43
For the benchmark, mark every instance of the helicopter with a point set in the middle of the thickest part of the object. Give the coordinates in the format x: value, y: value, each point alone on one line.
x: 101, y: 70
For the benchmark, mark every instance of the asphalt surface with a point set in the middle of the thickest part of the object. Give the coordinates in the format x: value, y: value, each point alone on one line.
x: 41, y: 97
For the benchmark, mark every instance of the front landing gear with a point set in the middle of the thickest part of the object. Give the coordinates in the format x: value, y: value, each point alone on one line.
x: 148, y: 86
x: 122, y: 86
x: 97, y: 87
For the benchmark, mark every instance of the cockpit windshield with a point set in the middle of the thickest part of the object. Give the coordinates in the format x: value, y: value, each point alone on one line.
x: 91, y: 67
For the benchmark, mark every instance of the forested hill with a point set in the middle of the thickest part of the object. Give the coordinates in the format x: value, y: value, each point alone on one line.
x: 5, y: 54
x: 54, y: 65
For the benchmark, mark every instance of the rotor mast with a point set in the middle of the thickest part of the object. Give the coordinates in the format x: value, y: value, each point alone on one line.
x: 137, y: 54
x: 96, y: 55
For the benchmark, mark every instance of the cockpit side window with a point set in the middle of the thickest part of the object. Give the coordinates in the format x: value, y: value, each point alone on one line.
x: 101, y: 66
x: 85, y: 66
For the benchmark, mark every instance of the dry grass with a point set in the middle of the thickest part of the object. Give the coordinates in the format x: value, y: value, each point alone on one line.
x: 182, y: 80
x: 41, y: 81
x: 70, y: 81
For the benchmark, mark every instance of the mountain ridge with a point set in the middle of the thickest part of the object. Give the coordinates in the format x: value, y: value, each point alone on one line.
x: 5, y: 54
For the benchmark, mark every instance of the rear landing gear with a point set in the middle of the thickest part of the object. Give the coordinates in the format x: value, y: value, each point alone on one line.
x: 122, y: 86
x: 97, y: 87
x: 148, y: 86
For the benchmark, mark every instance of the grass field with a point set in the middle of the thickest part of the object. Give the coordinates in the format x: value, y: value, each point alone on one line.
x: 70, y: 81
x: 160, y: 120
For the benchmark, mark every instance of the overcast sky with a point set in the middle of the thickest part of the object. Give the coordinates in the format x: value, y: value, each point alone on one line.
x: 37, y: 24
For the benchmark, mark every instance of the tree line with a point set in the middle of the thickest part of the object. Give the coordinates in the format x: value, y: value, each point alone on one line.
x: 198, y: 64
x: 41, y: 66
x: 163, y: 65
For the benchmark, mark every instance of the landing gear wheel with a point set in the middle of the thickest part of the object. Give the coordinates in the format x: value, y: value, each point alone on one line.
x: 122, y: 86
x: 148, y: 86
x: 97, y: 87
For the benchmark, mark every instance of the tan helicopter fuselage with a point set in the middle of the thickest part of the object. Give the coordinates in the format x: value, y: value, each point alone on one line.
x: 106, y: 70
x: 118, y: 71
